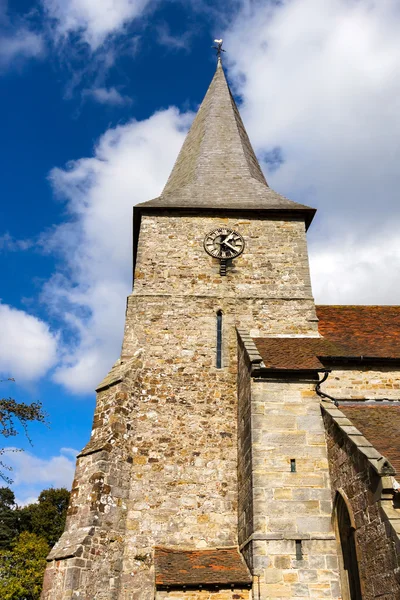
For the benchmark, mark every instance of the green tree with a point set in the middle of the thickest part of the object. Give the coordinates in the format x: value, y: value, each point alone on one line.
x: 8, y: 518
x: 46, y: 518
x: 12, y: 413
x: 22, y: 568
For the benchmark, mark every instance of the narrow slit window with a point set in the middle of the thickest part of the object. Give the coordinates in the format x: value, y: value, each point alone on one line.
x: 293, y: 465
x: 219, y: 340
x: 299, y: 550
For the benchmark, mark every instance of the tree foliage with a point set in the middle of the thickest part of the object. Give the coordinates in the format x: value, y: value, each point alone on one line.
x: 46, y: 518
x: 8, y: 518
x: 12, y: 413
x: 26, y: 536
x: 22, y: 568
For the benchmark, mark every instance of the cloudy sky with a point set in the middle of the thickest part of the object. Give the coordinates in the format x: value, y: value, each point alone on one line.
x: 96, y: 97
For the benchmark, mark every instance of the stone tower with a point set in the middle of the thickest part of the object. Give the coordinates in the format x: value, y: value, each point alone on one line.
x: 169, y: 490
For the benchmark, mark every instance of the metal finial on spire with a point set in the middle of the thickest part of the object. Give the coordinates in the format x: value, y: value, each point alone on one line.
x: 219, y: 48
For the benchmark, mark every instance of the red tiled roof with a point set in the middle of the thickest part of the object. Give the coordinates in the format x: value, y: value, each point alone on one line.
x: 221, y: 566
x: 348, y: 332
x: 369, y: 331
x: 294, y: 353
x: 380, y: 424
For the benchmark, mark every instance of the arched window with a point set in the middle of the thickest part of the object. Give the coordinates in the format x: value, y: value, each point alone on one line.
x: 345, y: 530
x: 219, y: 340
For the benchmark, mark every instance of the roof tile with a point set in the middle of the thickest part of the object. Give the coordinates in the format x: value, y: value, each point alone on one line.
x: 349, y: 332
x: 294, y: 353
x: 369, y: 331
x: 380, y: 424
x: 218, y: 566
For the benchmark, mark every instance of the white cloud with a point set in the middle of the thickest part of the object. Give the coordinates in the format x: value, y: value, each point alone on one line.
x: 20, y: 44
x: 105, y: 95
x: 318, y: 81
x: 32, y: 474
x: 131, y: 164
x: 354, y: 270
x: 17, y: 41
x: 10, y: 244
x: 25, y: 500
x: 176, y: 42
x: 70, y: 451
x: 93, y: 20
x: 28, y: 347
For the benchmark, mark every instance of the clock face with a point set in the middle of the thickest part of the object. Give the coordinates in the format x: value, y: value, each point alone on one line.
x: 224, y: 243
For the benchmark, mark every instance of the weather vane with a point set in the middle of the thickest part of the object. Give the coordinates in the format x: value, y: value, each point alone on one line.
x: 219, y: 48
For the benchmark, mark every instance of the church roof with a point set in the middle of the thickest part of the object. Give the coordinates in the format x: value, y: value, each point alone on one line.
x: 217, y: 166
x: 295, y: 354
x: 212, y: 567
x: 362, y: 330
x: 380, y: 424
x: 349, y: 333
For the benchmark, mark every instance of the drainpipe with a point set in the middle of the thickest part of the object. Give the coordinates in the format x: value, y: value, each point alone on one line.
x: 322, y: 394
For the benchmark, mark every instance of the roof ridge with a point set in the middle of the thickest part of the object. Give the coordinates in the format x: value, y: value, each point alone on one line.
x: 254, y: 165
x: 358, y: 306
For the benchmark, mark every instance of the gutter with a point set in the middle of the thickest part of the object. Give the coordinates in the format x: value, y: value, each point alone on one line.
x: 360, y: 359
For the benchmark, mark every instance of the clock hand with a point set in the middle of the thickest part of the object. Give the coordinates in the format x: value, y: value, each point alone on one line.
x: 228, y: 237
x: 229, y: 246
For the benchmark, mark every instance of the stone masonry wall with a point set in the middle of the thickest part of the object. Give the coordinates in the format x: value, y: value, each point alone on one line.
x: 378, y: 550
x: 363, y: 383
x: 87, y: 560
x: 245, y: 465
x: 171, y: 259
x: 183, y: 483
x: 177, y: 444
x: 171, y: 318
x: 286, y: 424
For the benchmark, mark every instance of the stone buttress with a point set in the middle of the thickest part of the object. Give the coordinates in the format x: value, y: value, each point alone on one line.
x: 161, y: 467
x: 285, y: 501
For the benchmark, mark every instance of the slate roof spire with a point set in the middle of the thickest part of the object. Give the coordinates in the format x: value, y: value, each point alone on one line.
x: 217, y: 167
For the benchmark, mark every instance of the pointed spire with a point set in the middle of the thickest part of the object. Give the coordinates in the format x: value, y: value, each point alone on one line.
x: 217, y: 166
x: 216, y: 149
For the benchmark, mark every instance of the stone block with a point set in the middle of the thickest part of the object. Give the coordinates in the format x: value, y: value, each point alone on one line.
x: 306, y: 575
x: 311, y: 424
x: 72, y: 578
x: 291, y: 576
x: 300, y: 590
x: 332, y: 562
x: 276, y: 590
x: 280, y: 547
x: 318, y: 561
x: 281, y: 441
x: 282, y: 562
x: 273, y: 575
x: 283, y: 494
x: 282, y: 524
x: 310, y: 524
x: 280, y: 422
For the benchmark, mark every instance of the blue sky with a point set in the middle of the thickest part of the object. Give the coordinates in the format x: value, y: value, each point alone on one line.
x: 95, y: 100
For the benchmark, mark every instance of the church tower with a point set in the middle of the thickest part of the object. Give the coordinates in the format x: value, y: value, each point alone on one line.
x: 173, y: 495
